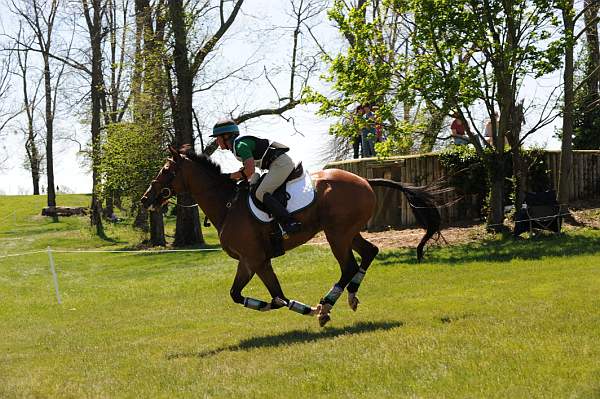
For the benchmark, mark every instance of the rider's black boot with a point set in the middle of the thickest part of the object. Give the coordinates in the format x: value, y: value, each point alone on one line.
x: 283, y: 217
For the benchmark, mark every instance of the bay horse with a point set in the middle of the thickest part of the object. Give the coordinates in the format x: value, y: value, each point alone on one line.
x: 344, y: 204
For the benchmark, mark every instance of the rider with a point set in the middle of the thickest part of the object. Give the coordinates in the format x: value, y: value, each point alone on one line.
x: 266, y: 155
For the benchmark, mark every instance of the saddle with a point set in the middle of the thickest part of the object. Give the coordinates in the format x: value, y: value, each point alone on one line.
x: 542, y: 212
x: 296, y: 193
x: 280, y: 193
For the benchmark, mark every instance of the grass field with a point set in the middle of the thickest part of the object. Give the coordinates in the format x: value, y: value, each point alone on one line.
x: 494, y: 319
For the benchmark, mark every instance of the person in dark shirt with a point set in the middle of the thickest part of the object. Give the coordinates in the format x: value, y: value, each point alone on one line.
x: 256, y: 152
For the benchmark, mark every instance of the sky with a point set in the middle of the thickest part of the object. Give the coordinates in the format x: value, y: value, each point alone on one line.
x: 307, y: 136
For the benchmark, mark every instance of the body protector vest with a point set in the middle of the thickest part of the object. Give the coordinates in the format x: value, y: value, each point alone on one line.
x: 265, y: 151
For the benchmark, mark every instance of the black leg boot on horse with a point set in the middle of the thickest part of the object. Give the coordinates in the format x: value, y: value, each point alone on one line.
x: 281, y: 215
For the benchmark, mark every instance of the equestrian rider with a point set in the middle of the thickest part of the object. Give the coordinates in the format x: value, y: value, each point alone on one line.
x: 266, y: 155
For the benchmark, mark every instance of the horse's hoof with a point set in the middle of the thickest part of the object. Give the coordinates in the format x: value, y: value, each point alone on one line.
x: 324, y: 308
x: 353, y: 301
x: 323, y: 319
x: 280, y: 302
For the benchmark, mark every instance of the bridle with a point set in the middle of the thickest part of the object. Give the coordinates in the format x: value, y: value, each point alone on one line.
x: 167, y: 191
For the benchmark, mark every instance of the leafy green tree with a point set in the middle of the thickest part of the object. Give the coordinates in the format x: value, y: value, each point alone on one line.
x: 468, y: 51
x: 131, y: 157
x: 368, y: 72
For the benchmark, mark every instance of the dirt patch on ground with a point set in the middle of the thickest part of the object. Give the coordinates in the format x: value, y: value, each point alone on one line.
x: 409, y: 238
x: 583, y: 216
x: 589, y: 217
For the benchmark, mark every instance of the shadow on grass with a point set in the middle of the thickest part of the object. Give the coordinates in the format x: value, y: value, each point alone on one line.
x: 293, y: 337
x: 501, y: 250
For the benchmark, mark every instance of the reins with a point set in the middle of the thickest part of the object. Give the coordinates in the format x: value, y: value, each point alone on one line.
x: 205, y: 223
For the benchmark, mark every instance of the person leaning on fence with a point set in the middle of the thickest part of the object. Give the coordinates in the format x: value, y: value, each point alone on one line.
x: 267, y: 155
x: 458, y: 130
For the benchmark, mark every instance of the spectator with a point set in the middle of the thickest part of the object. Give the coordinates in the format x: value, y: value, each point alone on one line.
x: 458, y: 130
x: 368, y: 132
x: 356, y: 139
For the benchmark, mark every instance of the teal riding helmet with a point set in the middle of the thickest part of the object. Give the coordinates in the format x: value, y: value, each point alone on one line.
x: 226, y: 126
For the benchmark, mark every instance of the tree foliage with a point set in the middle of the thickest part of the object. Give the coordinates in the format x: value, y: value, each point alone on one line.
x: 131, y: 157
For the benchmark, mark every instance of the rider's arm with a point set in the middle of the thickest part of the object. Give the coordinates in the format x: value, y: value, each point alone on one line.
x: 248, y: 170
x: 244, y: 149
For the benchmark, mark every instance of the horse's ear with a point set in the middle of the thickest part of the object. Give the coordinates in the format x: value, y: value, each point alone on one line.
x: 174, y: 153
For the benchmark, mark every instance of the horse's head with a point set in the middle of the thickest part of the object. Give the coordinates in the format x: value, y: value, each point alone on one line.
x: 167, y: 183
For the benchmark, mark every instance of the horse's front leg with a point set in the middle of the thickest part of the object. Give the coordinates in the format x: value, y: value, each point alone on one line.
x: 244, y: 274
x: 269, y: 279
x: 242, y: 277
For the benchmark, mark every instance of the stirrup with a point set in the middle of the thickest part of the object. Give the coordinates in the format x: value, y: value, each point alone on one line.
x: 293, y: 227
x: 289, y: 228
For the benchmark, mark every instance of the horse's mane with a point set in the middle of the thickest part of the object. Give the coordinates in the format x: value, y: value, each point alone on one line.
x: 201, y: 159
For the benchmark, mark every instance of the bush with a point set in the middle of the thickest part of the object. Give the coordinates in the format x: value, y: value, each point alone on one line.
x: 469, y: 173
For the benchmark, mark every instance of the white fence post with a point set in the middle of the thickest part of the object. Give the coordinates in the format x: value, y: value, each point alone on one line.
x: 54, y: 275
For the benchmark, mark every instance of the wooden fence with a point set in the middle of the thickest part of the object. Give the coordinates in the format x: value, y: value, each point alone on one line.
x: 393, y: 210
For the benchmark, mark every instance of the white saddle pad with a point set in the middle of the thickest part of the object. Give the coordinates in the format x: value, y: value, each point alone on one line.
x: 302, y: 194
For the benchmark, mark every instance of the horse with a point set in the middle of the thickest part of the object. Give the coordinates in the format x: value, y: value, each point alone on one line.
x: 344, y: 203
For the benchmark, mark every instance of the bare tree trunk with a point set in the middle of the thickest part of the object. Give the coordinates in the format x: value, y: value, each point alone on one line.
x: 141, y: 218
x: 51, y: 193
x: 94, y: 24
x: 566, y: 156
x: 34, y: 158
x: 148, y: 92
x: 497, y: 171
x: 157, y: 228
x: 188, y: 230
x: 433, y: 127
x: 593, y: 48
x: 519, y: 174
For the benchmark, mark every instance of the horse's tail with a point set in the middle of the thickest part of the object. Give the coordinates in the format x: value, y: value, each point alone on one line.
x: 422, y: 203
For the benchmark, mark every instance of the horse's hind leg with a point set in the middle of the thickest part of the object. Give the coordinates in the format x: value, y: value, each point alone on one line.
x: 420, y: 247
x: 367, y: 252
x: 341, y: 246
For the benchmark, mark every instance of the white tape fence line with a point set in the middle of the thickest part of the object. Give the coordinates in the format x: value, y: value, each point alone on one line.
x: 49, y: 251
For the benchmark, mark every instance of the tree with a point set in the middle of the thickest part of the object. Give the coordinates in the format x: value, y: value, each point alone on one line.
x: 370, y: 71
x: 187, y: 63
x: 35, y: 157
x: 7, y: 114
x: 468, y: 51
x: 129, y: 162
x: 586, y: 118
x: 93, y: 18
x: 149, y: 95
x: 570, y: 18
x: 40, y: 17
x: 190, y: 55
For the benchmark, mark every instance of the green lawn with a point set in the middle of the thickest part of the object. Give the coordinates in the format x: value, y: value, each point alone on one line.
x: 495, y: 319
